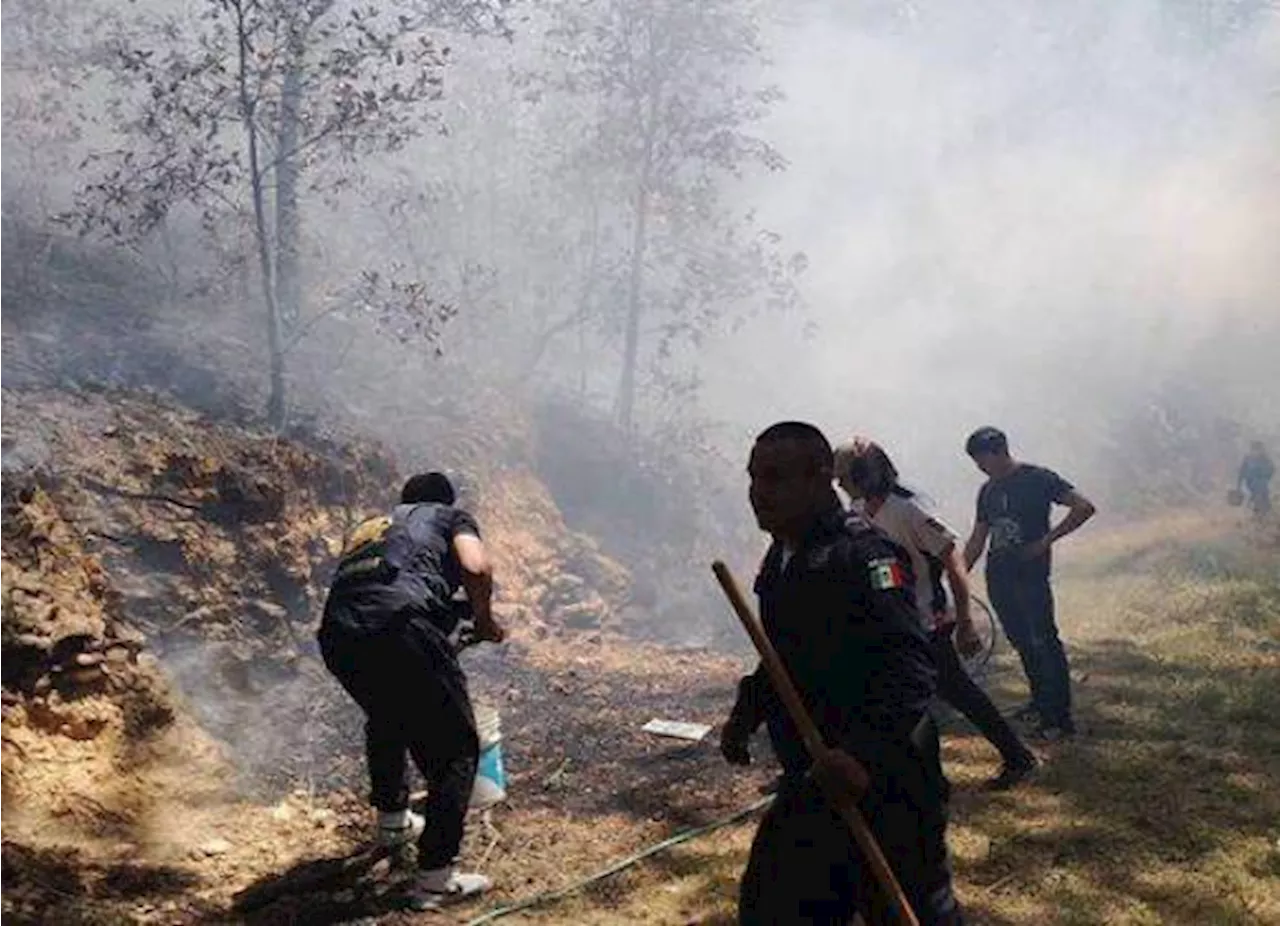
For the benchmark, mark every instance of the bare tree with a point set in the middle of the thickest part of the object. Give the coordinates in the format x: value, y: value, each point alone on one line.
x: 50, y: 46
x: 674, y: 90
x: 252, y: 103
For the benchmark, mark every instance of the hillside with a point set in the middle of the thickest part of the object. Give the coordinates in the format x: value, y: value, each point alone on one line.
x: 170, y: 736
x: 170, y: 739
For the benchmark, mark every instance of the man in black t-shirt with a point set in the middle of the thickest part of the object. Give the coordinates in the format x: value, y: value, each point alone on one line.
x: 385, y: 636
x: 1012, y: 525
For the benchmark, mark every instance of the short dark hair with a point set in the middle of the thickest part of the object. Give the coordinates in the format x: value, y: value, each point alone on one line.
x: 986, y: 440
x: 426, y: 488
x: 803, y: 433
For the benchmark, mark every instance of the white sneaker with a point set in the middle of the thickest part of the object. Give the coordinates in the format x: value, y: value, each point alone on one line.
x: 399, y: 827
x: 441, y: 886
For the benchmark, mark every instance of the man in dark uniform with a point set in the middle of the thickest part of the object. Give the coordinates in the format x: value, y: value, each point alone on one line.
x: 385, y: 636
x: 835, y: 600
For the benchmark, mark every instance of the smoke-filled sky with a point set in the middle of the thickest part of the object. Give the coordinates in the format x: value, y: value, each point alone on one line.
x: 1016, y: 213
x: 1033, y: 214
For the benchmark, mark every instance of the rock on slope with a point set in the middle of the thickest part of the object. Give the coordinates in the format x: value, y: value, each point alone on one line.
x: 163, y: 574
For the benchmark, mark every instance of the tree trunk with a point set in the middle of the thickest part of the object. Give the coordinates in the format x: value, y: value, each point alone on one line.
x: 275, y: 339
x: 577, y: 318
x: 276, y: 399
x: 626, y: 404
x: 584, y: 361
x: 288, y: 285
x: 631, y: 346
x: 584, y: 357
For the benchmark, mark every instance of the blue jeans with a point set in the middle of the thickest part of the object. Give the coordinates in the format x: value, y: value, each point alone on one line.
x: 1023, y: 602
x: 1259, y: 497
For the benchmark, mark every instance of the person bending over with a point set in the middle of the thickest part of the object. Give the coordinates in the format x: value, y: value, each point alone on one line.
x: 384, y: 636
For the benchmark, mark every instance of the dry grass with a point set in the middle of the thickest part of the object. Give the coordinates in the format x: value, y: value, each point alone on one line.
x: 1166, y: 809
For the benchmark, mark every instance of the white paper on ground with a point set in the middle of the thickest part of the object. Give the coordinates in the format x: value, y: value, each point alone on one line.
x: 678, y: 729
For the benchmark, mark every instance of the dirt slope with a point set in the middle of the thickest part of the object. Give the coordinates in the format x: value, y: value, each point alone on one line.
x: 169, y: 735
x: 170, y: 739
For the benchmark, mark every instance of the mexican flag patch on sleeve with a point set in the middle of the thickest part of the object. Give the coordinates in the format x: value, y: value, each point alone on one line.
x: 886, y: 574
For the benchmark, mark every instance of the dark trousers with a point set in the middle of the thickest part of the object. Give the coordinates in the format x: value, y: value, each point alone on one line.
x: 1024, y: 604
x: 1259, y: 498
x: 414, y: 696
x: 958, y: 689
x: 806, y: 868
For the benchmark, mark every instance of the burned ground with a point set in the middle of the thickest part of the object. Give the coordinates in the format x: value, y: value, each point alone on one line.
x: 171, y: 740
x: 164, y: 703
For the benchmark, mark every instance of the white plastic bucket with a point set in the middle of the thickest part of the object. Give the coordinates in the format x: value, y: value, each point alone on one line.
x: 491, y: 778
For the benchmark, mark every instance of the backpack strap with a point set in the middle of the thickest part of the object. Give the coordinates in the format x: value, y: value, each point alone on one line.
x: 365, y: 558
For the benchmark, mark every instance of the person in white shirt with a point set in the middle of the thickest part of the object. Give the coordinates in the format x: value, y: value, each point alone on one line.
x: 866, y: 473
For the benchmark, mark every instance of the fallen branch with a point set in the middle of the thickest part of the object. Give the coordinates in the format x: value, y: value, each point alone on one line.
x: 495, y: 836
x: 557, y: 774
x: 1000, y: 882
x: 110, y: 538
x: 105, y: 489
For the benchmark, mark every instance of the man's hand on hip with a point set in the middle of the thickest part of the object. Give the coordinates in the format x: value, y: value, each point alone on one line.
x: 1036, y: 548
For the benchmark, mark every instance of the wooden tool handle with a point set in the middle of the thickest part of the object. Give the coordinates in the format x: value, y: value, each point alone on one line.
x: 813, y: 741
x: 778, y: 674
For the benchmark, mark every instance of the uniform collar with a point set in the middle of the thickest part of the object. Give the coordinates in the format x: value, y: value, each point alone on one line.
x: 827, y: 524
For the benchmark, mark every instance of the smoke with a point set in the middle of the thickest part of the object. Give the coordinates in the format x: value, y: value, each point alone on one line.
x: 1032, y: 215
x: 285, y: 727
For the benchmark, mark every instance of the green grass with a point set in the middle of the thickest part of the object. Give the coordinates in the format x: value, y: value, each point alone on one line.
x: 1165, y: 811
